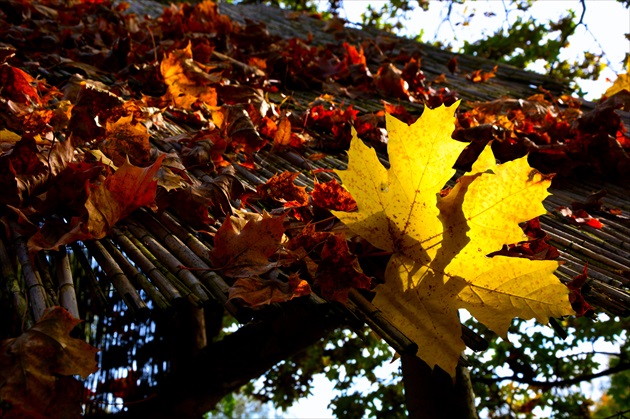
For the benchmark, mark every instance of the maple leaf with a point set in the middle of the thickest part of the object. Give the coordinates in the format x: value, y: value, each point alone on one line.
x: 622, y: 83
x: 331, y: 195
x: 187, y: 82
x: 256, y: 291
x: 281, y: 188
x: 339, y: 270
x: 440, y: 244
x: 108, y: 202
x: 36, y: 368
x: 242, y: 248
x: 126, y: 139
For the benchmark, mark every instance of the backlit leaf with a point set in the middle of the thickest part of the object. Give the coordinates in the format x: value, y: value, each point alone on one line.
x: 440, y: 243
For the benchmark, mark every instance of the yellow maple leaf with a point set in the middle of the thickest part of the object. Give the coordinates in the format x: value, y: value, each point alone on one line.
x: 439, y: 244
x: 622, y: 83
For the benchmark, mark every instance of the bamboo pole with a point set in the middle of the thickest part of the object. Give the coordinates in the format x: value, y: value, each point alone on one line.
x: 171, y: 262
x: 375, y: 319
x: 136, y: 278
x: 118, y: 279
x: 213, y: 282
x: 171, y: 279
x: 167, y: 289
x: 67, y: 294
x: 35, y: 289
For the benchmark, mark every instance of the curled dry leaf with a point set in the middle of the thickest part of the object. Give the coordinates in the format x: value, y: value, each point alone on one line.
x: 242, y: 248
x: 36, y: 368
x: 108, y: 202
x: 256, y: 291
x: 281, y: 188
x: 332, y: 196
x: 576, y: 298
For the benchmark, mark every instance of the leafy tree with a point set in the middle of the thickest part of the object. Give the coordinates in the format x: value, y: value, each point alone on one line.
x: 521, y: 40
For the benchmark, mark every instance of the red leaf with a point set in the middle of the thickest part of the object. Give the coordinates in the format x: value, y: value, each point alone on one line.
x: 282, y: 189
x: 331, y: 195
x: 339, y: 270
x: 578, y: 302
x: 18, y: 86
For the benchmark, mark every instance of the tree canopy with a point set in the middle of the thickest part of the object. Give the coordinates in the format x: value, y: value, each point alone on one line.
x: 521, y: 39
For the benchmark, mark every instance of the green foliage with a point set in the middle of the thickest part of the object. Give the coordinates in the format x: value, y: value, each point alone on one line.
x: 539, y: 369
x: 345, y: 359
x: 520, y: 42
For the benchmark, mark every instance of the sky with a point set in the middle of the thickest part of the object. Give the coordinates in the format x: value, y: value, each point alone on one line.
x: 605, y: 24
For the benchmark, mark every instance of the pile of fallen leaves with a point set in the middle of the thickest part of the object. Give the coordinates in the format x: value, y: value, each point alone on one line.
x: 88, y: 92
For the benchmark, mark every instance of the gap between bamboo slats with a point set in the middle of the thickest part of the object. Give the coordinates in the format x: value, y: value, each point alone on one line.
x: 95, y: 286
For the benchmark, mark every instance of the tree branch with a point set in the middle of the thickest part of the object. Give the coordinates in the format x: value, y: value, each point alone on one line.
x: 230, y: 363
x: 624, y: 366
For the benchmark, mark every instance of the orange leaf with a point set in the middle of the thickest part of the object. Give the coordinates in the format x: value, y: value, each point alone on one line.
x: 256, y: 291
x: 242, y: 248
x: 34, y: 366
x: 123, y: 192
x: 282, y: 137
x: 479, y: 76
x: 18, y: 85
x: 187, y: 82
x: 126, y: 139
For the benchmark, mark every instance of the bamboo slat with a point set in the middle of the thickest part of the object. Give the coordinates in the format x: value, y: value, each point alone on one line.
x: 67, y: 294
x: 34, y: 287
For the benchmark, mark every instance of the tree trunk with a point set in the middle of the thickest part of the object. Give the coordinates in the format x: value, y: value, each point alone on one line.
x: 432, y: 394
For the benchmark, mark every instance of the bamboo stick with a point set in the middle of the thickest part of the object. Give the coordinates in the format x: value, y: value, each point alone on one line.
x: 13, y: 284
x: 214, y: 283
x: 171, y: 262
x: 118, y: 279
x: 590, y: 250
x: 35, y: 289
x: 41, y: 264
x: 136, y: 278
x: 67, y: 294
x: 161, y: 282
x: 171, y: 279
